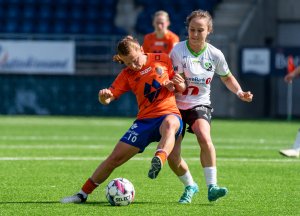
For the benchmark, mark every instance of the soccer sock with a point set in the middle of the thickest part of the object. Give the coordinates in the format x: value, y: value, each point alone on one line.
x: 297, y: 142
x: 187, y: 179
x: 162, y: 154
x: 210, y: 175
x: 88, y: 187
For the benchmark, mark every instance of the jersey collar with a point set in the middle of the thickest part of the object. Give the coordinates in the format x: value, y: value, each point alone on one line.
x: 194, y: 53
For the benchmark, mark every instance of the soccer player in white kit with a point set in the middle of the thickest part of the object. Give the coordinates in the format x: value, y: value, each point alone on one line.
x: 198, y: 61
x: 294, y: 151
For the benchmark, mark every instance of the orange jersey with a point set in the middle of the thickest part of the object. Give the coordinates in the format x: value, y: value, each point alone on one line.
x: 152, y: 44
x: 153, y: 99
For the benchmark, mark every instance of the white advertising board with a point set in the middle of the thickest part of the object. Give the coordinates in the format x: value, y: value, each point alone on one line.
x: 37, y: 57
x: 256, y: 60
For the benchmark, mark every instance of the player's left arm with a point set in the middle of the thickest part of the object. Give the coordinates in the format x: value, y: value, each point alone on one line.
x: 233, y: 85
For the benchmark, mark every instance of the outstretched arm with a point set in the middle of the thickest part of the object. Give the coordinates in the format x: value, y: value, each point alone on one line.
x: 105, y: 96
x: 233, y: 85
x: 290, y: 76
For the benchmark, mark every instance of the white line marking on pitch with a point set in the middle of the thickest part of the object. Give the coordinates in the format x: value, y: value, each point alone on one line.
x: 87, y: 147
x: 107, y: 138
x: 283, y: 160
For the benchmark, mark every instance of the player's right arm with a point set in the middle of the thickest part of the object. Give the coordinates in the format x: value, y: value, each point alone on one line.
x: 179, y: 82
x: 119, y: 86
x: 290, y: 76
x: 105, y: 96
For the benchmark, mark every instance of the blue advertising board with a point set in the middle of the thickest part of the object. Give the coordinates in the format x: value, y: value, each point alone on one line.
x: 267, y: 61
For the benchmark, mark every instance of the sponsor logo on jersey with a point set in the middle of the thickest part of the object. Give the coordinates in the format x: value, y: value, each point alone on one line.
x: 159, y: 43
x: 159, y: 71
x: 208, y: 65
x: 151, y: 91
x: 147, y: 70
x: 196, y: 61
x: 208, y: 80
x: 196, y: 80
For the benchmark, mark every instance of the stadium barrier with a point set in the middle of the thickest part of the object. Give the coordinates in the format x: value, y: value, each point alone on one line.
x: 60, y: 95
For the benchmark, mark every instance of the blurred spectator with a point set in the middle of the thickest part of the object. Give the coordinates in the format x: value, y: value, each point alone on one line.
x: 126, y: 15
x: 162, y: 39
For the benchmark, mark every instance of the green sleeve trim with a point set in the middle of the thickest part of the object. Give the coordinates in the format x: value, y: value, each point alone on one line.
x: 226, y: 75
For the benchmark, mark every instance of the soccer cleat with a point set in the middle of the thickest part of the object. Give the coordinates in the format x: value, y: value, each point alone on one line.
x: 215, y: 192
x: 156, y: 165
x: 188, y: 193
x: 76, y: 198
x: 289, y: 152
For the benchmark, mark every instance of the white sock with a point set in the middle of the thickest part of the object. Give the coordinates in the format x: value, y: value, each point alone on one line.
x: 297, y: 142
x: 210, y: 175
x: 187, y: 179
x: 83, y: 194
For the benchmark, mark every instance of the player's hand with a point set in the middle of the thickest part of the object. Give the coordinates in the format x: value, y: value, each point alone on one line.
x: 245, y: 96
x: 105, y: 96
x: 177, y: 79
x: 169, y: 85
x: 289, y: 77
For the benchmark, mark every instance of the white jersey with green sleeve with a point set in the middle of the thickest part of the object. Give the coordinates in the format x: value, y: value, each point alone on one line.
x: 198, y: 70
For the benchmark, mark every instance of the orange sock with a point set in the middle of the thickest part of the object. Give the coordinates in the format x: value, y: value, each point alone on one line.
x: 162, y: 155
x: 89, y: 186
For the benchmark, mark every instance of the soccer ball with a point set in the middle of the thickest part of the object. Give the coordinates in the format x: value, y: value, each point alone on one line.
x: 120, y: 192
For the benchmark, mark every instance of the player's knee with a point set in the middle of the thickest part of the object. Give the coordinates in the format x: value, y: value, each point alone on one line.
x: 205, y: 143
x: 171, y: 123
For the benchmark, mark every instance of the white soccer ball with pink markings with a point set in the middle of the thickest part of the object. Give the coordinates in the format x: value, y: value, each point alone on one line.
x: 120, y: 192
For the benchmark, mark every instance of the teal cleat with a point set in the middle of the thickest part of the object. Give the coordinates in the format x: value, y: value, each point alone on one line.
x: 215, y: 192
x: 188, y: 194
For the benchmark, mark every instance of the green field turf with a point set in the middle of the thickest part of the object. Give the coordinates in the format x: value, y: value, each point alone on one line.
x: 43, y: 159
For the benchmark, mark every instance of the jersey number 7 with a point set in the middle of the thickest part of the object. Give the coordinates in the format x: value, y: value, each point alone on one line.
x: 191, y: 90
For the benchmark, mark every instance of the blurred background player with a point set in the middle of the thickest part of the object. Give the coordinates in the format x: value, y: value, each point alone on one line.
x: 199, y: 61
x: 162, y: 40
x: 295, y: 150
x: 158, y: 119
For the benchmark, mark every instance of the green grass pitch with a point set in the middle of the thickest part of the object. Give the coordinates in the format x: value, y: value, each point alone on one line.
x: 43, y: 159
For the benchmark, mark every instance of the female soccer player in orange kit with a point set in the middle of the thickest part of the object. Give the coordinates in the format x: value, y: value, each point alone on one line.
x: 161, y: 40
x: 158, y: 119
